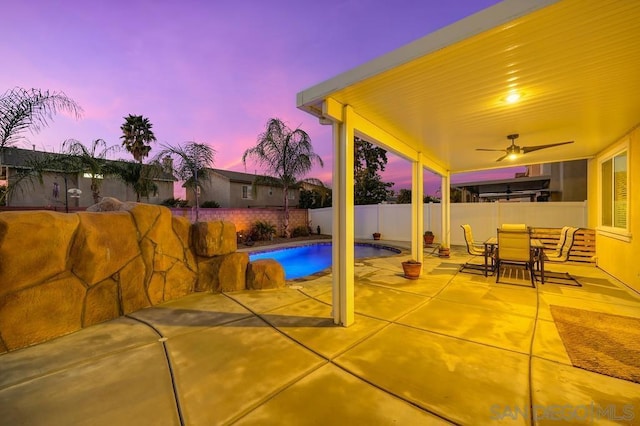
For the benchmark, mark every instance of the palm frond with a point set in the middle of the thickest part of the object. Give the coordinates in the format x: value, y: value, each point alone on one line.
x: 22, y: 109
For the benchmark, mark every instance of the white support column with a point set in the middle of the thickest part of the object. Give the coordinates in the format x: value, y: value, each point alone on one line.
x: 343, y: 220
x: 445, y: 203
x: 417, y: 209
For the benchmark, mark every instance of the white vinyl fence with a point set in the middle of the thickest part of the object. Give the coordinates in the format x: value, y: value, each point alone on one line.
x: 393, y: 221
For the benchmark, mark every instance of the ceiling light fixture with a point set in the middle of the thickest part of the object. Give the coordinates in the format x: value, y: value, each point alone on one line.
x: 513, y: 97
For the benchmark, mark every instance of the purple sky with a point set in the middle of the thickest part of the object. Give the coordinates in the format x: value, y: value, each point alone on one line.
x: 210, y: 71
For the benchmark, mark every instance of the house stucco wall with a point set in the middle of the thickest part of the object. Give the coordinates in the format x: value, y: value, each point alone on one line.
x: 615, y: 256
x: 215, y: 188
x: 36, y: 194
x: 263, y: 196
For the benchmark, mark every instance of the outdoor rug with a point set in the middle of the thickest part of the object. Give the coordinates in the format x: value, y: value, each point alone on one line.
x: 603, y: 343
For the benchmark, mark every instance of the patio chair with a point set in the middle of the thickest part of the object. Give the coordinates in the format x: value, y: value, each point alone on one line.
x: 558, y: 250
x: 474, y: 249
x: 561, y: 255
x: 513, y: 226
x: 514, y: 247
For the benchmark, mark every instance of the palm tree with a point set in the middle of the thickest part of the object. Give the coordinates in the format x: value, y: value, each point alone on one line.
x: 191, y: 165
x: 93, y: 160
x: 285, y: 154
x: 137, y: 136
x: 138, y: 176
x: 22, y: 109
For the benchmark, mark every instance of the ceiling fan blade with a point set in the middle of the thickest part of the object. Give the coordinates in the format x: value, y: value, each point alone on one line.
x: 502, y: 158
x: 489, y: 149
x: 526, y: 149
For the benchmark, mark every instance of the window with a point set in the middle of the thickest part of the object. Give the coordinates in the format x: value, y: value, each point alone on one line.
x: 291, y: 195
x: 91, y: 176
x: 270, y: 191
x: 246, y: 192
x: 614, y: 183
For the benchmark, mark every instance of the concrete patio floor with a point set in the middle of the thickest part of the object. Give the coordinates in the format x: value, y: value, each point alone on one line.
x: 450, y: 347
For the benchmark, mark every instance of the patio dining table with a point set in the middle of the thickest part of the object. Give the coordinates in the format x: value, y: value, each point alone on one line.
x: 491, y: 243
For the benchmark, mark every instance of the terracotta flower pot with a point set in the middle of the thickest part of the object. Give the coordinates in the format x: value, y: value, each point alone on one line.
x: 428, y: 239
x: 412, y: 270
x: 443, y: 252
x: 376, y: 235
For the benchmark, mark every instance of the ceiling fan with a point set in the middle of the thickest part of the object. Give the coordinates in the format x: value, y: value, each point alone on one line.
x: 513, y: 151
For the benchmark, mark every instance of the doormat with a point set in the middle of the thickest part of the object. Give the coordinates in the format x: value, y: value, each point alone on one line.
x: 603, y: 343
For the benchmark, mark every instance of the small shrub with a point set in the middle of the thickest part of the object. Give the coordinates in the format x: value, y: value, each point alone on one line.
x: 174, y: 202
x: 263, y: 230
x: 210, y: 205
x: 300, y: 231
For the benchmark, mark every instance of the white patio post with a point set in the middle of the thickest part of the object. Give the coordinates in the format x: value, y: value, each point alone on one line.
x: 417, y: 209
x: 445, y: 205
x: 343, y: 220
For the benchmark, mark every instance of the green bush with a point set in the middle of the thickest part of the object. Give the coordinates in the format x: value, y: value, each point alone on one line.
x: 300, y: 231
x: 174, y: 202
x: 263, y: 230
x: 210, y: 205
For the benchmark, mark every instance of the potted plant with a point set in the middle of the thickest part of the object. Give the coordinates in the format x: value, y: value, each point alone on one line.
x: 376, y: 235
x: 443, y: 251
x: 428, y: 238
x: 412, y: 269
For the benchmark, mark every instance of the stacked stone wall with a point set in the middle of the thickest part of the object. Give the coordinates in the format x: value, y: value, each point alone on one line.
x: 63, y: 272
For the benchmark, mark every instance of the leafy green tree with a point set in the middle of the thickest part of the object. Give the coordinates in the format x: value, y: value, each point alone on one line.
x: 369, y: 160
x: 314, y: 199
x: 286, y: 155
x: 191, y: 165
x: 93, y: 160
x: 404, y: 196
x: 137, y: 136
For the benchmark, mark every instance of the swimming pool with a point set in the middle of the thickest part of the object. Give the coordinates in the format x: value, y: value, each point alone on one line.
x: 305, y: 260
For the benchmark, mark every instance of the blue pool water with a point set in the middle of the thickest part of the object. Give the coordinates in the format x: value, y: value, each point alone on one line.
x: 305, y: 260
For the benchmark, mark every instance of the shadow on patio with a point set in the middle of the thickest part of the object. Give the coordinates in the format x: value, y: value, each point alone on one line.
x: 449, y: 347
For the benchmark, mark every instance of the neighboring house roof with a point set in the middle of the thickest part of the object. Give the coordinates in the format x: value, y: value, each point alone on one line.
x: 236, y: 176
x: 19, y: 159
x: 239, y: 177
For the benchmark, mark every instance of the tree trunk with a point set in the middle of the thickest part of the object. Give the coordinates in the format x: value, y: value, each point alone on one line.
x: 285, y: 190
x: 95, y: 192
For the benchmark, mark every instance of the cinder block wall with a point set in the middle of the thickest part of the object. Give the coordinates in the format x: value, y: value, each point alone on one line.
x: 245, y: 218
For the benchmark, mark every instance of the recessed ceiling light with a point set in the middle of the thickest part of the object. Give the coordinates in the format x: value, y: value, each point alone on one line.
x: 513, y: 97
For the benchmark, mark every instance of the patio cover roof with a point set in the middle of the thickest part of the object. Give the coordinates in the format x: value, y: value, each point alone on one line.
x: 575, y: 63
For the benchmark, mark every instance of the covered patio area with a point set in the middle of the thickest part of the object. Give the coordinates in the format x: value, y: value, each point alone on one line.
x: 555, y: 74
x: 451, y: 347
